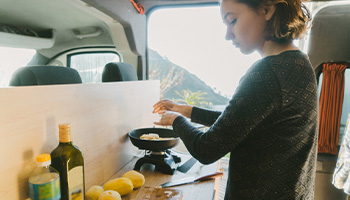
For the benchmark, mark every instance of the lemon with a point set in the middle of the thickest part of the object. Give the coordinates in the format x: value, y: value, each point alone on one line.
x: 122, y: 185
x: 109, y: 195
x: 93, y: 192
x: 136, y: 178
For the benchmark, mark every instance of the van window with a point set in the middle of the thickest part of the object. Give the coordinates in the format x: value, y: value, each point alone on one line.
x: 11, y: 60
x: 188, y: 53
x: 90, y: 65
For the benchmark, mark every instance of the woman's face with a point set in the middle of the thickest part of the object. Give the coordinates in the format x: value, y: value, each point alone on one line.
x: 245, y: 26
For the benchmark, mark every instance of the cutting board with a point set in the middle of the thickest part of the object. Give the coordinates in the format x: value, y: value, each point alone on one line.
x: 153, y: 193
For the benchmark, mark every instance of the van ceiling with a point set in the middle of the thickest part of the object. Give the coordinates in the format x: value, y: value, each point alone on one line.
x: 60, y: 15
x: 63, y: 16
x: 42, y: 14
x: 149, y: 4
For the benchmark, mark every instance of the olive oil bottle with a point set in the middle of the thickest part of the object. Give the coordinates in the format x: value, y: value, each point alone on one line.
x: 68, y: 160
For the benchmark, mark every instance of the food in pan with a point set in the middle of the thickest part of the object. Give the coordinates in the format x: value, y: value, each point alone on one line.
x: 153, y: 136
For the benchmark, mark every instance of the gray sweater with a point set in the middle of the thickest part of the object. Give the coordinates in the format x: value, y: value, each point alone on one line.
x: 269, y: 127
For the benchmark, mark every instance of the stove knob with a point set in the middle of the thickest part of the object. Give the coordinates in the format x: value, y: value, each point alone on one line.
x: 176, y: 159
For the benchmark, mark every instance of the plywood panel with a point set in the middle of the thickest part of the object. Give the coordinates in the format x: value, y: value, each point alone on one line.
x: 101, y: 115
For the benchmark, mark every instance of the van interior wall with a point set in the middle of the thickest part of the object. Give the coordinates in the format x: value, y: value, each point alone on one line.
x: 135, y: 29
x: 101, y: 116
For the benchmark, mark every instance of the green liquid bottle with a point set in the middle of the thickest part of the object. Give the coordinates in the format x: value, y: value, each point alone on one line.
x: 68, y: 160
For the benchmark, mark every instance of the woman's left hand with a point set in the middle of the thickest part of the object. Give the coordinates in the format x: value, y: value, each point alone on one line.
x: 167, y: 118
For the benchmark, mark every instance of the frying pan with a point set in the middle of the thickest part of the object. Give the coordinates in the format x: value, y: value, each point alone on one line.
x: 154, y: 145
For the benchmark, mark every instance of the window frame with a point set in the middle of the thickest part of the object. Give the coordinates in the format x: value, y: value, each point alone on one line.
x: 62, y: 57
x: 68, y: 64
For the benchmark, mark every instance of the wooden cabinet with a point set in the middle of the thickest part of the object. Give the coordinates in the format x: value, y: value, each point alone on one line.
x: 101, y: 116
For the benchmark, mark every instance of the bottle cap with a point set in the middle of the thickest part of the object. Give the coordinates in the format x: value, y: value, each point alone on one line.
x: 64, y: 133
x: 43, y: 157
x: 64, y: 126
x: 43, y: 160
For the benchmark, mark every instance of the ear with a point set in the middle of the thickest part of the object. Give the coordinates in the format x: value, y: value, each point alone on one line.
x: 269, y: 11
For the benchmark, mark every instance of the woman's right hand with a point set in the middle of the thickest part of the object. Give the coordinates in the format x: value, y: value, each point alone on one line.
x: 163, y: 105
x: 167, y: 105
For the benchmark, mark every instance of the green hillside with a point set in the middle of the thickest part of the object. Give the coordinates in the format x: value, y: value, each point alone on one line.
x: 180, y: 78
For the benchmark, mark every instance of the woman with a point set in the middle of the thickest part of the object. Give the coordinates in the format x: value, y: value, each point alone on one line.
x: 270, y: 124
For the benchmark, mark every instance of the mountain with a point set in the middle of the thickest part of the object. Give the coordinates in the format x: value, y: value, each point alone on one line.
x: 161, y: 68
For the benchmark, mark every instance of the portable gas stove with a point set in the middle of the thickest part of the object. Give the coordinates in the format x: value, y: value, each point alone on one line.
x: 164, y: 161
x: 157, y: 152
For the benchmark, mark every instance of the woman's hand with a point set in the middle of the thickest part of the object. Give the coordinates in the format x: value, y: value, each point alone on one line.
x: 161, y: 106
x: 167, y: 118
x: 166, y: 105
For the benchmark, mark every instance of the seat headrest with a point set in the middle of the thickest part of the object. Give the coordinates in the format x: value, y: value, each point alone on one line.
x: 118, y: 71
x: 329, y: 36
x: 44, y: 75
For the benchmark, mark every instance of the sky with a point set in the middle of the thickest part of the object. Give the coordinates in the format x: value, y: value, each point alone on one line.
x: 194, y: 38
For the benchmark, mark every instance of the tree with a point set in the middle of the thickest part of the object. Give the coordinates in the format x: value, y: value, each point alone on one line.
x: 195, y: 98
x: 168, y: 81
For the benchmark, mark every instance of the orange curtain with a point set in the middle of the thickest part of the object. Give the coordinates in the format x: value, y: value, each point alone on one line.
x: 331, y: 104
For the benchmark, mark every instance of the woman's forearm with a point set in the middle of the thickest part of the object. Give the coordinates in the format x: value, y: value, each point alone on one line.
x: 185, y: 110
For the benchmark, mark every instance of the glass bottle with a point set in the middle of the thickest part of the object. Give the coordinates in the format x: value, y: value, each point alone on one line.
x: 68, y: 160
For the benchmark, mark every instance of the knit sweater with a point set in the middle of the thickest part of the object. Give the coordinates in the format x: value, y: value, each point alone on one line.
x: 269, y: 128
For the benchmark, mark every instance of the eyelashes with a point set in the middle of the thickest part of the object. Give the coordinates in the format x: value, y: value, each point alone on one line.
x: 233, y: 22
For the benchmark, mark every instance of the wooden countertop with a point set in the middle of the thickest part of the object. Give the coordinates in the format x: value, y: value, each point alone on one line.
x: 205, y: 190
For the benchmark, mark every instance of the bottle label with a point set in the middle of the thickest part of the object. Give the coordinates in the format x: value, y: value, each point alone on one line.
x: 76, y: 183
x: 46, y: 191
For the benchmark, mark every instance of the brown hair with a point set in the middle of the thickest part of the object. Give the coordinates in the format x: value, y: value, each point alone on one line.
x: 290, y: 20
